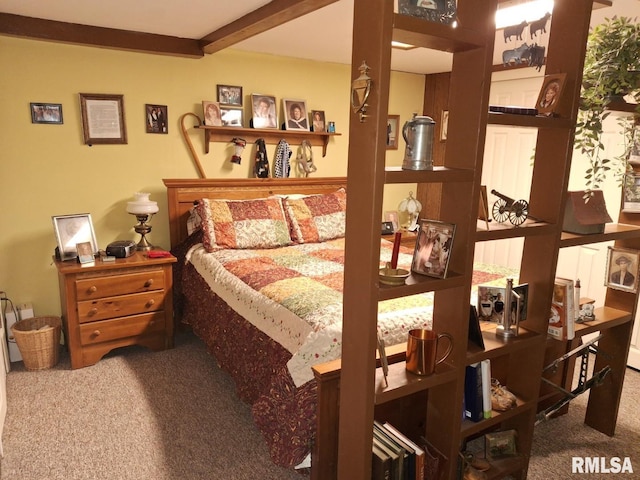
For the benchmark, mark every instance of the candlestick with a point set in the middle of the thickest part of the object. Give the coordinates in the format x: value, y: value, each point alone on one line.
x: 396, y: 249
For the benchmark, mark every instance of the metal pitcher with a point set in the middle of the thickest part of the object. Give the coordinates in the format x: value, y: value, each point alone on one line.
x: 418, y: 135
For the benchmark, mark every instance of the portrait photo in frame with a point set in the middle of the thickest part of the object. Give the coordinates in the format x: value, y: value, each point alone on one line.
x: 393, y: 124
x: 231, y: 117
x: 440, y: 11
x: 550, y: 94
x: 622, y: 269
x: 103, y: 119
x: 230, y: 95
x: 212, y: 113
x: 433, y: 248
x: 71, y: 230
x: 631, y: 194
x: 295, y: 114
x: 318, y: 123
x: 264, y: 111
x: 156, y: 118
x: 46, y: 113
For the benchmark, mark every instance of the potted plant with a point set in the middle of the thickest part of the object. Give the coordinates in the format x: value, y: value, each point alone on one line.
x: 611, y: 73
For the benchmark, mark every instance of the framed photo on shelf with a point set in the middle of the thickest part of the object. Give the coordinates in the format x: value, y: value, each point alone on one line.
x: 156, y: 118
x: 392, y: 216
x: 550, y: 94
x: 103, y: 119
x: 295, y: 114
x: 441, y: 11
x: 212, y: 113
x: 433, y: 248
x: 264, y: 111
x: 393, y: 124
x: 71, y: 230
x: 46, y: 113
x: 631, y: 199
x: 444, y: 125
x: 231, y: 117
x: 317, y: 121
x: 622, y: 269
x: 85, y: 252
x: 230, y: 95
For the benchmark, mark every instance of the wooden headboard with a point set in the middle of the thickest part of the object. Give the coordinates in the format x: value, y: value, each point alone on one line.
x: 181, y: 193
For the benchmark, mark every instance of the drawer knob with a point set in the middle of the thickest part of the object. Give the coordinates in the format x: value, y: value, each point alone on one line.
x: 151, y: 302
x: 148, y: 283
x: 95, y: 333
x: 92, y: 312
x: 92, y: 289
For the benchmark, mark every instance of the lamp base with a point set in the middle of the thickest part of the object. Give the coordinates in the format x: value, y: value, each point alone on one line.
x: 143, y: 229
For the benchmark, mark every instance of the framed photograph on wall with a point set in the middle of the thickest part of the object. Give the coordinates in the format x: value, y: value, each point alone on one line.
x: 212, y: 113
x: 231, y: 117
x: 264, y: 111
x: 103, y: 119
x: 295, y: 114
x: 550, y: 94
x: 156, y: 118
x: 433, y: 248
x: 622, y: 269
x: 70, y: 230
x: 230, y: 95
x: 393, y: 124
x: 46, y: 113
x: 441, y: 11
x: 317, y: 121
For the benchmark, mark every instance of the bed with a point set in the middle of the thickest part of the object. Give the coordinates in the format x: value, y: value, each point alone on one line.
x: 266, y: 338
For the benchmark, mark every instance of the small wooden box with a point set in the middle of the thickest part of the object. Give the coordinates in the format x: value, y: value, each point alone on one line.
x: 585, y: 218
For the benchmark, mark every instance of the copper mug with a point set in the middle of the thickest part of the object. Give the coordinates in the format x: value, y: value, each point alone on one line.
x: 422, y: 348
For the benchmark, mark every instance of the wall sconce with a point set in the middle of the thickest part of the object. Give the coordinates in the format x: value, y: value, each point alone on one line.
x: 143, y: 209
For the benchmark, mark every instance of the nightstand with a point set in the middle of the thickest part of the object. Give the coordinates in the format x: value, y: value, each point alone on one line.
x: 106, y: 305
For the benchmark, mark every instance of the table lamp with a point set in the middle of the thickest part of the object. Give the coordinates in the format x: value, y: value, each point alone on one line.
x: 143, y: 209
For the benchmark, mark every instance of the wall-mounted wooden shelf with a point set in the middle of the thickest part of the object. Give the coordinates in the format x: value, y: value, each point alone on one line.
x: 270, y: 135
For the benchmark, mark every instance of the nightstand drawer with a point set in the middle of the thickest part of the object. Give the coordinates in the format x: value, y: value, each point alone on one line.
x: 118, y: 328
x: 121, y: 306
x: 109, y: 286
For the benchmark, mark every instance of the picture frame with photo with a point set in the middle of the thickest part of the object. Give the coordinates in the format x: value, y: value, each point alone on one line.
x: 156, y: 118
x: 70, y: 230
x: 50, y: 113
x: 295, y: 114
x: 229, y: 95
x: 103, y: 119
x: 85, y: 253
x: 392, y: 216
x: 264, y: 112
x: 622, y: 269
x: 212, y: 114
x: 231, y: 117
x: 433, y: 248
x: 631, y: 194
x: 318, y: 123
x: 440, y: 11
x: 550, y: 93
x: 393, y: 126
x: 444, y: 125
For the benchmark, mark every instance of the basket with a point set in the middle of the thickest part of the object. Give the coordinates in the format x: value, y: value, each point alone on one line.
x: 38, y: 340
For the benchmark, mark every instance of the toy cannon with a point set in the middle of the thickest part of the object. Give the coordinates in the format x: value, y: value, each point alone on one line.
x: 505, y: 208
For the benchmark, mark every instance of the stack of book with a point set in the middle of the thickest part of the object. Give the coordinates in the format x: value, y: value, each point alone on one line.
x: 395, y: 456
x: 563, y: 310
x: 477, y: 391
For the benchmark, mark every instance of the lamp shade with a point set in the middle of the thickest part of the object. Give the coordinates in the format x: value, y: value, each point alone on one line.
x: 141, y: 205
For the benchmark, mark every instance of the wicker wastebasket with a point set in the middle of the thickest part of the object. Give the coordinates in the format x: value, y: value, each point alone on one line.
x: 38, y: 340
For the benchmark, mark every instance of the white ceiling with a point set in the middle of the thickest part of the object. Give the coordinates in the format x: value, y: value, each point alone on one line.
x: 324, y: 35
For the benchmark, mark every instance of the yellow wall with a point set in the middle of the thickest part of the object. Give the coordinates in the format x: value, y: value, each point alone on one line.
x: 47, y: 170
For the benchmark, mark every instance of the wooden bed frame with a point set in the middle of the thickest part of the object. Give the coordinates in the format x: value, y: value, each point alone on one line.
x: 181, y: 195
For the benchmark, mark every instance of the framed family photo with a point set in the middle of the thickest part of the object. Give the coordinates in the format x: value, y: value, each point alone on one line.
x: 433, y: 248
x: 631, y: 194
x: 46, y: 113
x: 264, y: 111
x: 103, y: 119
x: 622, y: 269
x: 393, y: 124
x: 230, y: 95
x: 156, y: 118
x: 295, y: 114
x: 441, y: 11
x: 231, y: 117
x: 550, y: 94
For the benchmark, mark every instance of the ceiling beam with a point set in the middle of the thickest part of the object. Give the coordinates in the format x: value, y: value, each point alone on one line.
x: 268, y: 16
x: 73, y: 33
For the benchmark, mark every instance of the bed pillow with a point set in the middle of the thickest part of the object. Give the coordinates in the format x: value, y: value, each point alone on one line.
x: 258, y: 223
x: 317, y: 218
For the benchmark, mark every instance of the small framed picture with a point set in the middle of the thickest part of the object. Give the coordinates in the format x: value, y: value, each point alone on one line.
x: 71, y: 230
x: 393, y: 124
x: 501, y: 444
x: 85, y: 252
x: 230, y: 95
x: 264, y: 111
x: 295, y: 114
x: 156, y: 118
x: 550, y: 94
x: 46, y: 113
x: 631, y: 200
x: 317, y: 121
x: 103, y: 119
x: 444, y: 125
x: 212, y: 113
x: 433, y: 248
x: 392, y: 216
x: 622, y: 269
x: 231, y: 117
x: 441, y: 11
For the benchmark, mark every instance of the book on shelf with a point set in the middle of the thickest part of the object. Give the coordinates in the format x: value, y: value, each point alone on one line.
x: 562, y: 315
x: 415, y: 451
x: 380, y: 463
x: 473, y: 392
x: 399, y: 456
x: 485, y: 368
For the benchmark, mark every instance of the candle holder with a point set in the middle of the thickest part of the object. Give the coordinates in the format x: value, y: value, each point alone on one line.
x: 143, y: 209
